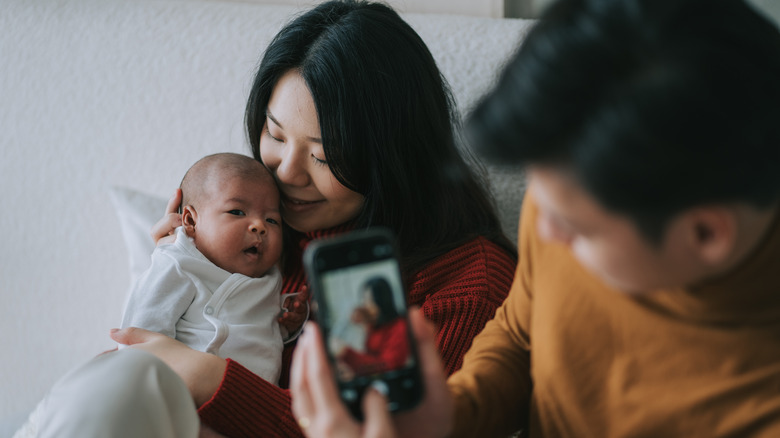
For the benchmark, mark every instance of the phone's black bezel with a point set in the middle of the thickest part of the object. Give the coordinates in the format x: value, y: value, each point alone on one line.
x: 404, y: 386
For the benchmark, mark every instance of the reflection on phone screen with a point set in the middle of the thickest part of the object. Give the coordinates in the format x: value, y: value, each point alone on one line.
x: 368, y: 333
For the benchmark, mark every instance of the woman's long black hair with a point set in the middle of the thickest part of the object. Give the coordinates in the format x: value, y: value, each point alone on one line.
x: 388, y: 125
x: 382, y: 295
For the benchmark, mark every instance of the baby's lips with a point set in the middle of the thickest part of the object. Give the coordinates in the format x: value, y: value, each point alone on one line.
x: 255, y: 248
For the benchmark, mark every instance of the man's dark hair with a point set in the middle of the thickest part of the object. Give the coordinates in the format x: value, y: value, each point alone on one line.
x: 656, y: 106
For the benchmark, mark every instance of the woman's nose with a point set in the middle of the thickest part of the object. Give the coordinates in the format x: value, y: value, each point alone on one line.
x: 291, y: 167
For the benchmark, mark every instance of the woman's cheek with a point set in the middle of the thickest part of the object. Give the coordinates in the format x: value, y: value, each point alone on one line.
x: 267, y: 159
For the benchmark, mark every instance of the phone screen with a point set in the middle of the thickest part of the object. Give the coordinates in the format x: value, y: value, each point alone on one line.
x: 361, y: 307
x: 367, y: 332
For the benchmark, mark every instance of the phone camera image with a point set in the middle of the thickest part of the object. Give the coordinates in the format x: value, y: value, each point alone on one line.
x: 372, y: 337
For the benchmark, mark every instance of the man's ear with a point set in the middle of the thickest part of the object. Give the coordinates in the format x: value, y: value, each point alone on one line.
x: 189, y: 217
x: 712, y: 233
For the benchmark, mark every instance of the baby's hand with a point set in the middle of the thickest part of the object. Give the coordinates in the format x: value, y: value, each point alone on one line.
x: 295, y: 311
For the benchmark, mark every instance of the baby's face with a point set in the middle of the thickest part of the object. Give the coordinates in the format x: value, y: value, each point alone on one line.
x: 239, y: 227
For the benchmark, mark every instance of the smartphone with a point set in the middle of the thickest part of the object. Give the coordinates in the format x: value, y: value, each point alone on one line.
x: 359, y: 301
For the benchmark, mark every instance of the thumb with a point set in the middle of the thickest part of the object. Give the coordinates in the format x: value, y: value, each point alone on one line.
x: 131, y: 335
x: 377, y: 421
x: 425, y: 334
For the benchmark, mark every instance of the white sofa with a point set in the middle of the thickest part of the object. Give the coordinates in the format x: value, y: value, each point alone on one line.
x: 100, y: 94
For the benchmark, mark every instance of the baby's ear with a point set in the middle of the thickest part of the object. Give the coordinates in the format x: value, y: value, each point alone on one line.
x: 189, y: 217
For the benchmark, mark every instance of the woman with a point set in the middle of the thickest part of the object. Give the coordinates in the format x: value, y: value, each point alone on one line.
x: 386, y: 345
x: 350, y: 113
x: 354, y: 119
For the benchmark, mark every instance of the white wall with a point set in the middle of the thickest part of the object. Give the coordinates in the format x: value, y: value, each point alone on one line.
x: 478, y: 8
x: 493, y: 8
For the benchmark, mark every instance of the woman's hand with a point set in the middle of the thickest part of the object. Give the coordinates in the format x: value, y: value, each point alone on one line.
x: 201, y: 372
x: 162, y: 231
x: 320, y: 412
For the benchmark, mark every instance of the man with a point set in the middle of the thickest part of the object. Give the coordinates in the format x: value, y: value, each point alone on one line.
x: 646, y: 300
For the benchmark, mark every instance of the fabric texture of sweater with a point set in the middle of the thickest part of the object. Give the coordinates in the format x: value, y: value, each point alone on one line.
x: 458, y: 291
x: 567, y: 356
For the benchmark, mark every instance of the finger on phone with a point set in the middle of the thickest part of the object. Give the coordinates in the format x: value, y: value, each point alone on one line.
x: 324, y: 392
x: 424, y: 332
x: 299, y: 385
x: 378, y: 422
x: 433, y: 416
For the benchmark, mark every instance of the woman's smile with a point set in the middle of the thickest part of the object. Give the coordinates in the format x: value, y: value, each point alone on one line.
x: 294, y: 205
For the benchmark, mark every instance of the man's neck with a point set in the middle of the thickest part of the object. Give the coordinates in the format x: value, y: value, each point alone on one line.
x: 754, y: 226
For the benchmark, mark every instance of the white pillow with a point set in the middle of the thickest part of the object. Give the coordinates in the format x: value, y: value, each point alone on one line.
x: 137, y: 212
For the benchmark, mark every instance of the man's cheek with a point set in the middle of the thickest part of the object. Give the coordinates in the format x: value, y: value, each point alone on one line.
x: 590, y: 258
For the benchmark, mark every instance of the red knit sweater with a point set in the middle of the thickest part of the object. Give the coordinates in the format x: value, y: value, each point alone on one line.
x: 458, y: 291
x: 386, y: 348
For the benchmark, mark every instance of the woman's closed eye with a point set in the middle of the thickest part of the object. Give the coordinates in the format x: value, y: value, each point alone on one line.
x: 318, y: 161
x: 276, y: 139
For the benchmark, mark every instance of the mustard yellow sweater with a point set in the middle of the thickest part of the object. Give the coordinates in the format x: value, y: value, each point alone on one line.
x: 566, y: 356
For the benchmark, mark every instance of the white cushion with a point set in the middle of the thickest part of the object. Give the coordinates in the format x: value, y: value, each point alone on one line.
x: 137, y: 213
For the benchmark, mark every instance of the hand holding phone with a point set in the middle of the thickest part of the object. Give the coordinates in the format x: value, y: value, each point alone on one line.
x: 319, y: 412
x: 360, y: 304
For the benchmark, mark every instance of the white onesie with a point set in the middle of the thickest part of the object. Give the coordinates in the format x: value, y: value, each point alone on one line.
x: 185, y: 296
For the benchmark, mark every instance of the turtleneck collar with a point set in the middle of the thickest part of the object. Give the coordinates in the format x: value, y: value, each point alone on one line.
x: 304, y: 239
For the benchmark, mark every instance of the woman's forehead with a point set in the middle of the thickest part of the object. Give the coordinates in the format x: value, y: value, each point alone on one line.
x: 291, y: 106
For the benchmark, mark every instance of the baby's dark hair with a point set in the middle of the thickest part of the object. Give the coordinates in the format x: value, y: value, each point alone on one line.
x: 194, y: 183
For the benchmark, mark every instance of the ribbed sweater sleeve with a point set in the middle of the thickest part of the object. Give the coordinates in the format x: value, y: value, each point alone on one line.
x: 459, y: 291
x: 245, y: 405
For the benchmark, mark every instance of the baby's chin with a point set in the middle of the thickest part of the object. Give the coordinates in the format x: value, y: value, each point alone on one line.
x: 252, y: 264
x: 255, y: 271
x: 244, y: 269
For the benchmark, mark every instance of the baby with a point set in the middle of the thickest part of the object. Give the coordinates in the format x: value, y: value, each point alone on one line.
x: 217, y: 287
